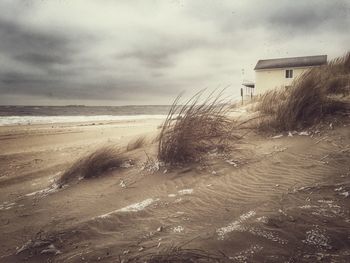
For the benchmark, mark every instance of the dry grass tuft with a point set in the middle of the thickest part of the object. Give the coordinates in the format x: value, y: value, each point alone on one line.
x: 93, y: 165
x: 316, y: 93
x: 193, y: 129
x: 136, y: 144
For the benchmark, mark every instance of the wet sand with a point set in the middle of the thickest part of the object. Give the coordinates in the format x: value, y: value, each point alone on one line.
x: 282, y: 199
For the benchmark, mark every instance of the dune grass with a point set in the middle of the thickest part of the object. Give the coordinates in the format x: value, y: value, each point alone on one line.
x: 136, y: 144
x: 193, y: 129
x: 93, y: 165
x: 317, y: 93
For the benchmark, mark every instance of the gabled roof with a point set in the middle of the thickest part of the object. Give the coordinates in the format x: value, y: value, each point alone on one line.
x: 291, y: 62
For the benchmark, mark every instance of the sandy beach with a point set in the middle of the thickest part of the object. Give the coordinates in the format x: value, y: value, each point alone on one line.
x: 281, y: 198
x: 174, y: 131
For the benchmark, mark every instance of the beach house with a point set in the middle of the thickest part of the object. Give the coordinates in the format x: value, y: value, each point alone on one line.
x: 278, y: 73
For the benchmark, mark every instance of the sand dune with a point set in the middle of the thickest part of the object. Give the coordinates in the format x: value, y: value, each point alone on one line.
x: 282, y: 199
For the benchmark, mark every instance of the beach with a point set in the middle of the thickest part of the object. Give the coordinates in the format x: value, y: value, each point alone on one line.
x: 274, y: 197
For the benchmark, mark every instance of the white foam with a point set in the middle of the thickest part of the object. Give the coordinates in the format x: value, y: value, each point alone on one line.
x: 26, y: 120
x: 132, y: 208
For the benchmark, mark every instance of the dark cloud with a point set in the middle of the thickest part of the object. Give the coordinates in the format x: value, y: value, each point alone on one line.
x: 275, y: 17
x: 38, y: 52
x: 26, y: 44
x: 126, y: 51
x: 97, y: 89
x: 150, y: 58
x: 28, y: 84
x: 17, y: 79
x: 39, y: 59
x: 162, y: 54
x: 83, y: 79
x: 311, y: 16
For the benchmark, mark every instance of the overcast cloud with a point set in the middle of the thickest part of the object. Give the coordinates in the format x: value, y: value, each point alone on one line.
x: 105, y: 52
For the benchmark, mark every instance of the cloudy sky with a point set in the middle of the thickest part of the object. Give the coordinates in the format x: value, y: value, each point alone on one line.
x: 117, y: 52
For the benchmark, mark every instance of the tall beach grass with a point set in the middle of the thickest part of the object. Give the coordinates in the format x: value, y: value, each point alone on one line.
x: 193, y: 129
x: 317, y: 93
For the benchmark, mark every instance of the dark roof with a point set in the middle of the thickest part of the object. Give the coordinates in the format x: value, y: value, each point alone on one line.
x: 291, y: 62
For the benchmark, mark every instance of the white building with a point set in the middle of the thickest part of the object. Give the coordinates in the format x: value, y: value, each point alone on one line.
x: 276, y: 73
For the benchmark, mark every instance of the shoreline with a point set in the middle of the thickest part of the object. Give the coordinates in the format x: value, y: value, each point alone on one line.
x: 73, y: 119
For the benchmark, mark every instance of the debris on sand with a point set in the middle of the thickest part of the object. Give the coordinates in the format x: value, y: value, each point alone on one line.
x: 304, y: 133
x: 239, y: 226
x: 138, y: 206
x: 232, y: 163
x: 51, y: 249
x: 151, y: 165
x: 6, y: 205
x: 277, y: 136
x: 244, y: 255
x: 122, y: 184
x: 132, y: 208
x: 141, y: 249
x: 46, y: 245
x: 127, y: 164
x: 262, y: 219
x: 346, y: 194
x: 178, y: 229
x: 234, y: 226
x: 267, y: 234
x: 178, y: 200
x: 44, y: 192
x: 185, y: 191
x: 317, y: 237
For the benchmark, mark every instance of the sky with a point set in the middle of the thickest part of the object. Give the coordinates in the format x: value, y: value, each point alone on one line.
x: 133, y: 52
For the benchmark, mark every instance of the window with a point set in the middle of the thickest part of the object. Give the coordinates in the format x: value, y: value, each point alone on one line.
x: 289, y: 73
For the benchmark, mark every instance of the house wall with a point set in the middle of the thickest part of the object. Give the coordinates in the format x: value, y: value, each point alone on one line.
x: 267, y: 79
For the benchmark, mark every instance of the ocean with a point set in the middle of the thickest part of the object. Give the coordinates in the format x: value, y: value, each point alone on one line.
x: 25, y: 115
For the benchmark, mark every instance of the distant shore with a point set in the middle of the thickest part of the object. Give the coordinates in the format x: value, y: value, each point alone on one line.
x: 78, y: 110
